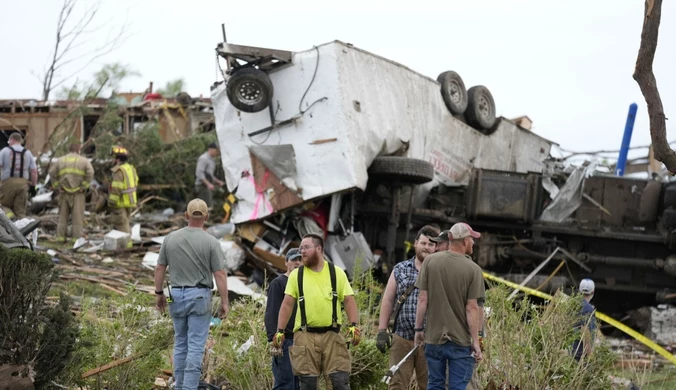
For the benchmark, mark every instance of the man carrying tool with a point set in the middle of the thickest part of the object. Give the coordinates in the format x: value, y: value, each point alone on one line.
x: 16, y: 164
x: 318, y: 347
x: 122, y: 191
x: 399, y: 304
x: 205, y: 180
x: 71, y: 175
x: 451, y: 285
x: 587, y: 323
x: 442, y: 241
x: 281, y: 363
x: 192, y: 256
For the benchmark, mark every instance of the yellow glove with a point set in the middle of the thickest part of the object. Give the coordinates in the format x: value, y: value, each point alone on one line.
x: 278, y: 339
x: 353, y: 333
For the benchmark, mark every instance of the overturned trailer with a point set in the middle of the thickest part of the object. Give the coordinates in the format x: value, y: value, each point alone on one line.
x: 389, y: 149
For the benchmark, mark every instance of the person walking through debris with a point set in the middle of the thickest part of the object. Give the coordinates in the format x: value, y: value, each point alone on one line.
x: 442, y: 241
x: 19, y: 175
x: 318, y: 347
x: 205, y: 180
x: 192, y: 256
x: 122, y: 191
x: 281, y: 362
x: 451, y: 287
x: 71, y: 176
x: 587, y: 323
x: 398, y: 307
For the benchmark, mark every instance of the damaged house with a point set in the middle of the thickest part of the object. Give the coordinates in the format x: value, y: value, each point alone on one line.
x: 178, y: 117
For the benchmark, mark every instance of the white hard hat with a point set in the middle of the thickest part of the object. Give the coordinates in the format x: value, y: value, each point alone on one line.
x: 587, y: 286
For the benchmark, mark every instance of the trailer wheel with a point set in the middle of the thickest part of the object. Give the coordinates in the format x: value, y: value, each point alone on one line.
x: 480, y: 112
x: 669, y: 218
x: 402, y: 169
x: 250, y: 90
x: 453, y: 91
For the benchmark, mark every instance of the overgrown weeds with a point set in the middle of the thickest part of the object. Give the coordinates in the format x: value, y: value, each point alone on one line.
x: 115, y: 329
x: 529, y: 346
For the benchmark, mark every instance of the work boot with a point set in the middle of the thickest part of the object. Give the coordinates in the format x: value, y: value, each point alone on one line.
x: 340, y: 380
x: 308, y: 382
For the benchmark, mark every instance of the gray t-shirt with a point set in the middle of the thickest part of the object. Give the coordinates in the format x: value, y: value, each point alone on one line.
x: 205, y: 168
x: 6, y: 162
x: 192, y: 256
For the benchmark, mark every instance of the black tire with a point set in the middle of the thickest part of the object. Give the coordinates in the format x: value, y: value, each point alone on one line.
x: 480, y: 112
x: 250, y: 90
x: 670, y: 195
x: 454, y: 92
x: 401, y: 169
x: 669, y: 218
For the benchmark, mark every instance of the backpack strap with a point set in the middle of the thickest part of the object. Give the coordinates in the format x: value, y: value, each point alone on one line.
x: 398, y: 304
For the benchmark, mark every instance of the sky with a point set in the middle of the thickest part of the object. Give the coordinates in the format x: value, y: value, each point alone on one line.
x: 567, y: 65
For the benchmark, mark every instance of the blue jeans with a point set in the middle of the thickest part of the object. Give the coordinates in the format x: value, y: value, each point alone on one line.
x: 282, y: 371
x: 452, y: 358
x: 191, y: 312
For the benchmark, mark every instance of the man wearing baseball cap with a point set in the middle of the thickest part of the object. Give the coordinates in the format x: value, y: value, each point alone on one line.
x: 281, y: 362
x: 451, y: 287
x: 587, y: 323
x: 442, y: 241
x: 192, y: 256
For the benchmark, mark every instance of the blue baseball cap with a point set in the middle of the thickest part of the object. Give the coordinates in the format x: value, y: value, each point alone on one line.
x: 292, y: 254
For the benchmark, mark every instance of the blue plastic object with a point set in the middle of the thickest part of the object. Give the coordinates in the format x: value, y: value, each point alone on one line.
x: 626, y: 140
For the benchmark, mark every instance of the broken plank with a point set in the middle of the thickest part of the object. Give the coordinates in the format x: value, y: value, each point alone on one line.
x: 111, y: 365
x: 323, y: 141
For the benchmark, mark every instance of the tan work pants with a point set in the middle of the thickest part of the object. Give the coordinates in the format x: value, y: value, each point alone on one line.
x: 119, y: 217
x: 315, y: 354
x: 71, y: 206
x: 415, y: 363
x: 13, y: 195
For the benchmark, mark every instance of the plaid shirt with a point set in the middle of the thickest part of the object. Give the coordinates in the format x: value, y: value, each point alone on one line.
x: 405, y: 274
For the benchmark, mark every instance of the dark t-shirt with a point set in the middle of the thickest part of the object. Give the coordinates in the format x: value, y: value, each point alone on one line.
x: 587, y: 319
x: 450, y: 279
x: 275, y: 298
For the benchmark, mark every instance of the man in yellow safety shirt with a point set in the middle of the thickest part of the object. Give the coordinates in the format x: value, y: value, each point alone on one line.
x: 71, y: 175
x: 122, y: 191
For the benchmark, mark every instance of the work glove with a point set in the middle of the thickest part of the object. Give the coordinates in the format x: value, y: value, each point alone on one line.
x: 32, y: 191
x: 276, y: 351
x: 278, y: 339
x: 353, y: 334
x: 383, y: 341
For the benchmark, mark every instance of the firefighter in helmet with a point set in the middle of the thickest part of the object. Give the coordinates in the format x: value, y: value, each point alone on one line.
x: 122, y: 191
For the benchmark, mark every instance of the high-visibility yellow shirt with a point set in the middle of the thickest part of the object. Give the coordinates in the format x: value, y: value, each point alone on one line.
x: 318, y: 295
x: 123, y: 187
x: 72, y: 173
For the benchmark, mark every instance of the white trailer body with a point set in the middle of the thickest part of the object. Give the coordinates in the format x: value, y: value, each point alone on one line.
x: 364, y: 106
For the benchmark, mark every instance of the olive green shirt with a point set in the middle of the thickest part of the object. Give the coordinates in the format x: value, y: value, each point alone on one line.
x: 450, y: 279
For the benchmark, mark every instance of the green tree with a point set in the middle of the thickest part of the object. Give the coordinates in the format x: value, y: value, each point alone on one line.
x: 172, y: 88
x: 104, y: 82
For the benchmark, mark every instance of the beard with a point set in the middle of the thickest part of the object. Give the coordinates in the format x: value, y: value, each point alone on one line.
x: 422, y: 254
x: 311, y: 261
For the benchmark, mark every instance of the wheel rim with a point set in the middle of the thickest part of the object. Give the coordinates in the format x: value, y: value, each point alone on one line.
x: 249, y: 93
x: 454, y: 92
x: 485, y: 107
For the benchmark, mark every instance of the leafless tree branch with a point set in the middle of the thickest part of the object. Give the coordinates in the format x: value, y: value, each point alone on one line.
x: 645, y: 78
x: 72, y: 35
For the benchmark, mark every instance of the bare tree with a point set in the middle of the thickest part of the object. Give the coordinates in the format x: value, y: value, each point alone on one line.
x: 644, y: 76
x: 72, y: 35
